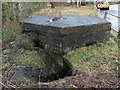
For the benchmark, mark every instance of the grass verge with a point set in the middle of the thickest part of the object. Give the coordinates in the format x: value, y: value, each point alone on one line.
x: 100, y: 57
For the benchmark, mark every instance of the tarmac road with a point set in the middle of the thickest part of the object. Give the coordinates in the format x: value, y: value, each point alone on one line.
x: 113, y: 16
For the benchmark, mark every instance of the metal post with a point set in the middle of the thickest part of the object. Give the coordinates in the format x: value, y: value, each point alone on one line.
x: 77, y: 3
x: 105, y: 15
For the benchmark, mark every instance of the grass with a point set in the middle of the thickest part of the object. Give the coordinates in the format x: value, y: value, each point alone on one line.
x: 9, y: 31
x: 30, y: 58
x: 101, y: 57
x: 81, y: 58
x: 71, y: 10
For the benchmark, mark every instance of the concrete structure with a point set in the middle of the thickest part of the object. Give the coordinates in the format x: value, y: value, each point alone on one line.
x: 58, y: 35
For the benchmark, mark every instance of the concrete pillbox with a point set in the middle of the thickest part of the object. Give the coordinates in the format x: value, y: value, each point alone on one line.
x: 58, y: 35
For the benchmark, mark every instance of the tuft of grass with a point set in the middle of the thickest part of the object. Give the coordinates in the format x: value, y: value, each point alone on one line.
x: 5, y: 67
x: 27, y: 42
x: 9, y: 31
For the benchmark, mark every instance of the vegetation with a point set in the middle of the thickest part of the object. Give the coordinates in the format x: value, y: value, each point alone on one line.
x: 93, y: 59
x: 102, y: 55
x: 12, y: 14
x: 30, y: 58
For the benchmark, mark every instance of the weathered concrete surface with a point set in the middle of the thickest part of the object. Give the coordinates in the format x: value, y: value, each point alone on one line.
x: 62, y: 34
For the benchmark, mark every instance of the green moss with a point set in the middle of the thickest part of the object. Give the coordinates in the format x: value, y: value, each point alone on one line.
x: 33, y: 58
x: 27, y: 46
x: 27, y: 41
x: 30, y: 58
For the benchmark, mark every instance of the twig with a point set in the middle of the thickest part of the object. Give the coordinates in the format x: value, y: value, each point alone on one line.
x: 4, y: 85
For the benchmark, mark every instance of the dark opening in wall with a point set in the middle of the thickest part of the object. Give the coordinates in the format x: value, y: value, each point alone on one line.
x: 90, y: 43
x: 66, y: 70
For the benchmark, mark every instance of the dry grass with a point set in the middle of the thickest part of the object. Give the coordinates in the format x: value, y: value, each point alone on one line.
x: 83, y: 11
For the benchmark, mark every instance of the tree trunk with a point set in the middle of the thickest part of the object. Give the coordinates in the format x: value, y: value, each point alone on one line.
x: 56, y: 4
x: 80, y: 2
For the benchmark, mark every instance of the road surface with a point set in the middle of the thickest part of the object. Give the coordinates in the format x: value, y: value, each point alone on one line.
x: 113, y: 16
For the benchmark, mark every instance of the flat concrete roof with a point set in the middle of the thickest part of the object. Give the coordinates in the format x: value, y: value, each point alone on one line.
x: 64, y: 21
